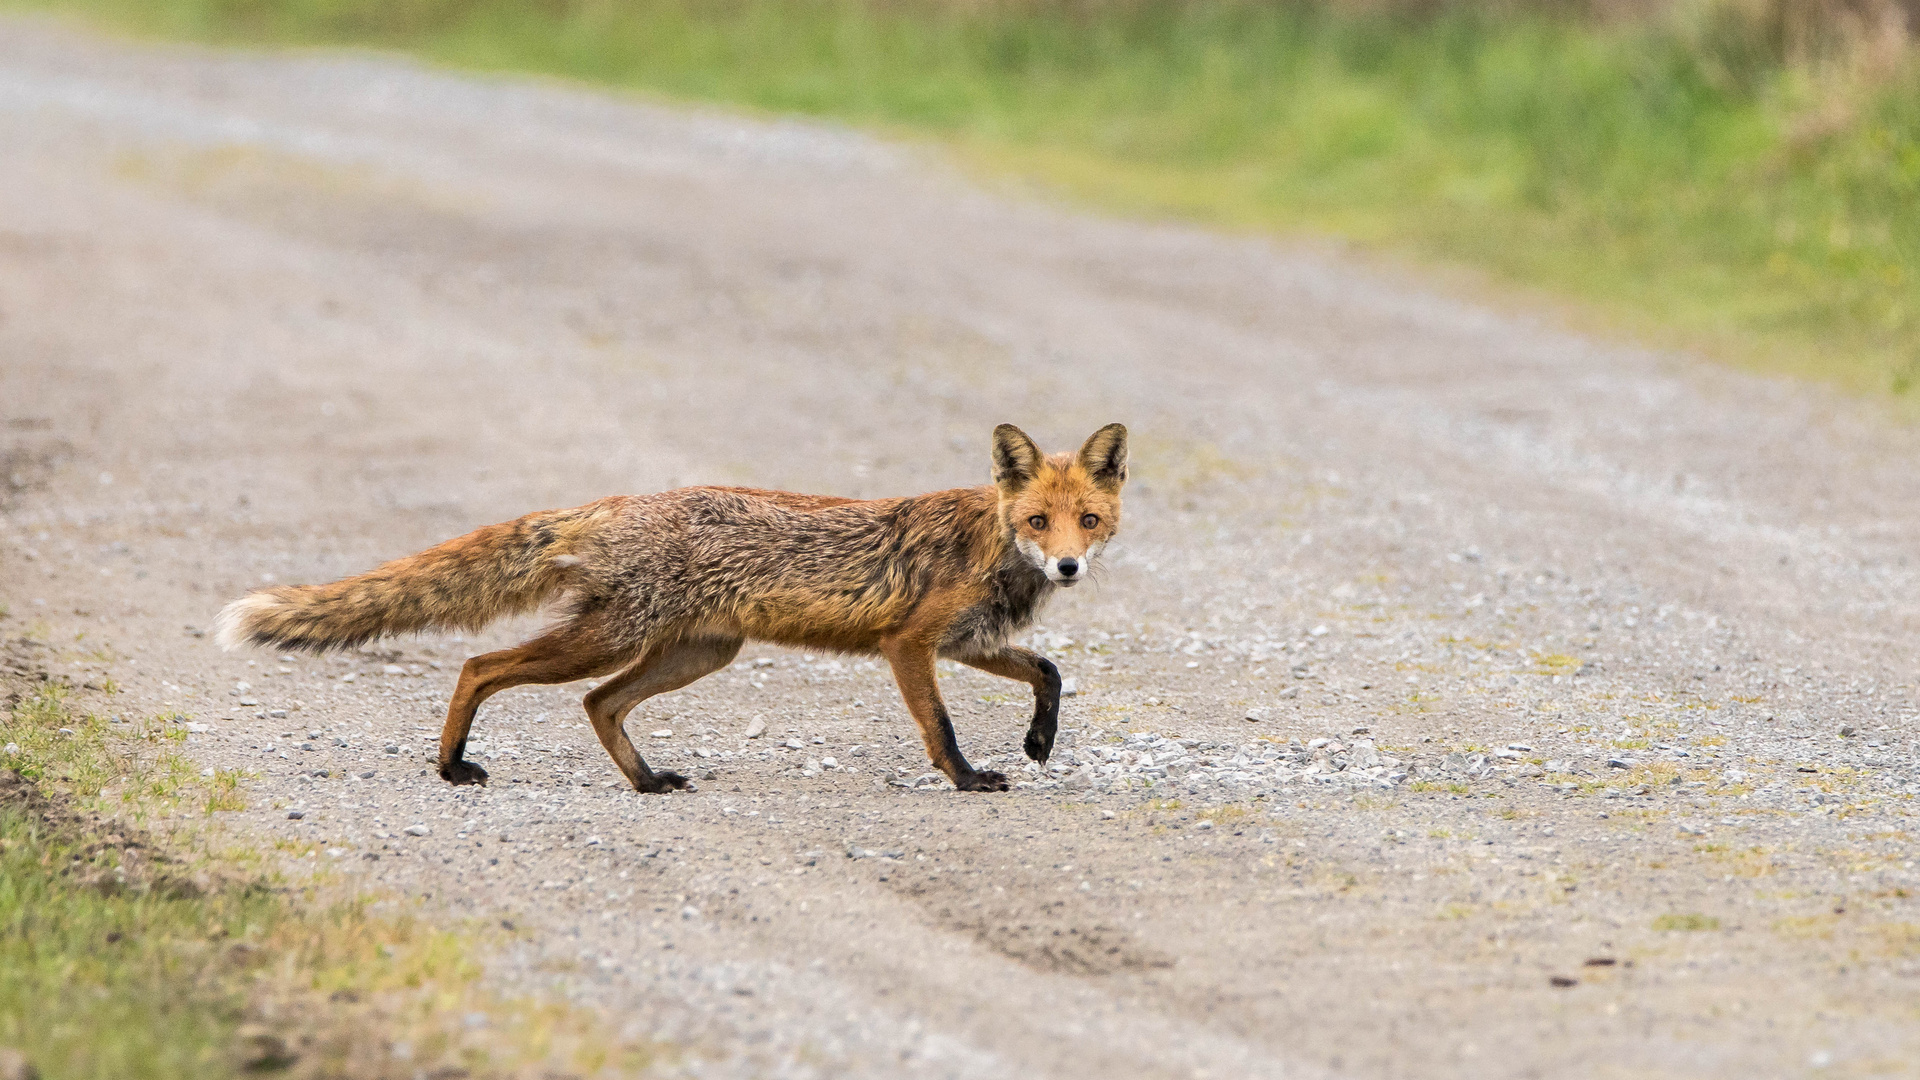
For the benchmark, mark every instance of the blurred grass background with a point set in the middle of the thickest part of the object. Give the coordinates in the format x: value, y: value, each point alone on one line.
x: 1734, y: 176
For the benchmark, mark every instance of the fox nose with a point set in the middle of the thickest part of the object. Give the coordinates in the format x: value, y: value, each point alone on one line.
x: 1068, y: 567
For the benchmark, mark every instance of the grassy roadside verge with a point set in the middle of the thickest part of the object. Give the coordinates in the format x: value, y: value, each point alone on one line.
x: 134, y: 953
x: 1737, y: 176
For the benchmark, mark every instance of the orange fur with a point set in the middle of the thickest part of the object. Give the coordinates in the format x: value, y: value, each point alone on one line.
x: 663, y: 589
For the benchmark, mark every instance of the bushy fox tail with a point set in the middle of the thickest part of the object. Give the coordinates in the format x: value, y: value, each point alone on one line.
x: 462, y: 584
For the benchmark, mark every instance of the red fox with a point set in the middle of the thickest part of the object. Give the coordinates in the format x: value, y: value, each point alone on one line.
x: 663, y: 589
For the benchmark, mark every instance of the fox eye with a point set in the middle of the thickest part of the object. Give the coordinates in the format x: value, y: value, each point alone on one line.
x: 1089, y: 521
x: 1039, y: 522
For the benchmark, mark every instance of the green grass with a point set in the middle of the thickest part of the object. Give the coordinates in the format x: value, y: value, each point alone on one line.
x: 90, y: 979
x: 1704, y: 177
x: 138, y: 768
x: 127, y: 954
x: 118, y: 978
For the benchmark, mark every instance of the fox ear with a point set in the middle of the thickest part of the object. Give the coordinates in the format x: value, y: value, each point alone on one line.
x: 1105, y: 456
x: 1016, y: 461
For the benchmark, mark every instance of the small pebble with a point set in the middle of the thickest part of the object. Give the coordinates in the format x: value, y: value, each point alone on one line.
x: 296, y: 815
x: 417, y: 830
x: 756, y: 727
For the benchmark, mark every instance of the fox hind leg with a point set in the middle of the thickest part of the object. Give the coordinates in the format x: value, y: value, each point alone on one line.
x: 563, y: 654
x: 660, y: 669
x: 1039, y: 672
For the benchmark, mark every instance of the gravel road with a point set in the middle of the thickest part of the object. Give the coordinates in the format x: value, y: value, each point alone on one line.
x: 1462, y: 698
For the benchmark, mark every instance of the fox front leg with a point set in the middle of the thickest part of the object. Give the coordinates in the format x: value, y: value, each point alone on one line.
x: 913, y: 672
x: 1013, y: 662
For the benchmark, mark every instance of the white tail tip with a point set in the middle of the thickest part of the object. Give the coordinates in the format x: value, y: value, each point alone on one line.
x: 231, y: 628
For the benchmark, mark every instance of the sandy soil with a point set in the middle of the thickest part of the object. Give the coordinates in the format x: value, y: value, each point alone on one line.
x: 278, y: 318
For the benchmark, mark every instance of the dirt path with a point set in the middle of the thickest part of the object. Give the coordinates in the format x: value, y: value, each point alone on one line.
x: 280, y: 318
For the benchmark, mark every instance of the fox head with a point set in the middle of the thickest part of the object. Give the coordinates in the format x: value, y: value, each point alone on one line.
x: 1063, y: 509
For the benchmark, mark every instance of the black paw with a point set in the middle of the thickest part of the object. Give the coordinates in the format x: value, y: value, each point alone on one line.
x: 463, y: 772
x: 983, y: 780
x: 664, y: 781
x: 1039, y: 745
